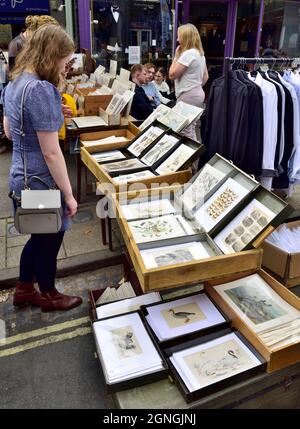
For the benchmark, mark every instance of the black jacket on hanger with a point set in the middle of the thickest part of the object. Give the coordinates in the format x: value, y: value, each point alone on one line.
x: 255, y: 136
x: 237, y: 120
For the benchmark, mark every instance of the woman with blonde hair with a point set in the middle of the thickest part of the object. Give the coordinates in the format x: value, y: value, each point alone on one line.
x: 32, y: 23
x: 189, y: 71
x: 35, y: 79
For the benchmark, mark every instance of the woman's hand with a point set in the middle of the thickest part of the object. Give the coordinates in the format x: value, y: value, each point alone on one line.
x: 67, y: 111
x: 71, y: 205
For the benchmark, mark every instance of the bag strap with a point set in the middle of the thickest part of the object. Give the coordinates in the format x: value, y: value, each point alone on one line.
x: 22, y: 134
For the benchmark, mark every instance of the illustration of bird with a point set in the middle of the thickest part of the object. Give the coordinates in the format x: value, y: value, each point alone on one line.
x: 181, y: 315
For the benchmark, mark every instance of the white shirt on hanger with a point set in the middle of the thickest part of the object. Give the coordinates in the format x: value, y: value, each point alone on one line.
x: 281, y: 150
x: 270, y: 112
x: 116, y: 14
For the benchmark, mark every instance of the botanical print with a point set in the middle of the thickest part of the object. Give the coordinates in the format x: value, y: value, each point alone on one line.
x: 128, y: 164
x: 183, y: 315
x: 159, y: 150
x: 125, y: 342
x: 176, y: 160
x: 205, y: 181
x: 145, y: 140
x: 158, y: 228
x: 218, y: 362
x: 257, y: 306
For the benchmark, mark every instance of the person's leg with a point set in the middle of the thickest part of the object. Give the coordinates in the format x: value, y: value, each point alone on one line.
x: 47, y: 247
x: 25, y: 293
x: 195, y: 98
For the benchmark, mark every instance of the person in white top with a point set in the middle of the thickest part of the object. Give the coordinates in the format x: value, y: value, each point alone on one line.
x: 189, y: 71
x: 161, y: 85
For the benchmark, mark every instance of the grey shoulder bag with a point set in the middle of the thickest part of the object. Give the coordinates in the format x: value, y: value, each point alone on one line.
x: 39, y: 211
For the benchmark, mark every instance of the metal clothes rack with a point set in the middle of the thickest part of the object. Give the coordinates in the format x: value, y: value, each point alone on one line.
x: 229, y: 61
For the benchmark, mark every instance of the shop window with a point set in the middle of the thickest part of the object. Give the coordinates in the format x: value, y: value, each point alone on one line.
x: 281, y: 29
x: 118, y: 24
x: 246, y: 28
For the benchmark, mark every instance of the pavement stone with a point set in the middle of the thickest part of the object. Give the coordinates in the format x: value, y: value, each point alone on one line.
x: 83, y: 238
x: 13, y: 256
x: 2, y: 227
x: 2, y: 253
x: 20, y: 240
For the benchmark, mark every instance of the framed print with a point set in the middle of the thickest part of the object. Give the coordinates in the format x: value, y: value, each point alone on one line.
x: 219, y: 359
x: 257, y: 303
x: 125, y: 348
x: 244, y: 227
x: 159, y: 228
x: 146, y: 209
x: 204, y: 183
x: 124, y: 178
x: 220, y: 204
x: 158, y: 113
x: 128, y: 164
x: 160, y: 149
x: 183, y: 316
x: 176, y: 160
x: 127, y: 305
x: 187, y: 110
x: 108, y: 156
x: 174, y: 121
x: 145, y: 140
x: 177, y: 254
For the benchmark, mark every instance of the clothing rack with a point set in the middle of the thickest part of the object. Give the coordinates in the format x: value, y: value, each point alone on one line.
x: 229, y: 61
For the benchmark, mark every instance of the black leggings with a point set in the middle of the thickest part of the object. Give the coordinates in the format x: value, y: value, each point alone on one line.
x: 38, y: 260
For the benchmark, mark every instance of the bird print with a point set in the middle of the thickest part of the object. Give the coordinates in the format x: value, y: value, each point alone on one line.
x: 181, y: 315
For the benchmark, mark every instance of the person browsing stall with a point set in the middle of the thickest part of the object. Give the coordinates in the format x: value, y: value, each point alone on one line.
x: 39, y: 68
x: 141, y: 106
x: 149, y: 87
x: 189, y: 71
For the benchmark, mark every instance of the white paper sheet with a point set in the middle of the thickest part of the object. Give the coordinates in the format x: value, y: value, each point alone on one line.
x: 176, y: 160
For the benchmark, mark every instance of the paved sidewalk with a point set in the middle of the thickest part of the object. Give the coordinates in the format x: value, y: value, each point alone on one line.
x: 82, y: 247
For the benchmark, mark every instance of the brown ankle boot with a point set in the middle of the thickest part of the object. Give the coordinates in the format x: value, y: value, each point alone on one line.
x: 25, y: 294
x: 55, y: 300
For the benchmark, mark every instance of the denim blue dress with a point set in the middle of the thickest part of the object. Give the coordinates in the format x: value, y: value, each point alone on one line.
x: 42, y: 112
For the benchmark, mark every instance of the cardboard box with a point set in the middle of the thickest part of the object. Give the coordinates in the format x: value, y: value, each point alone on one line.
x: 277, y: 359
x: 110, y: 119
x: 92, y: 103
x: 285, y: 266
